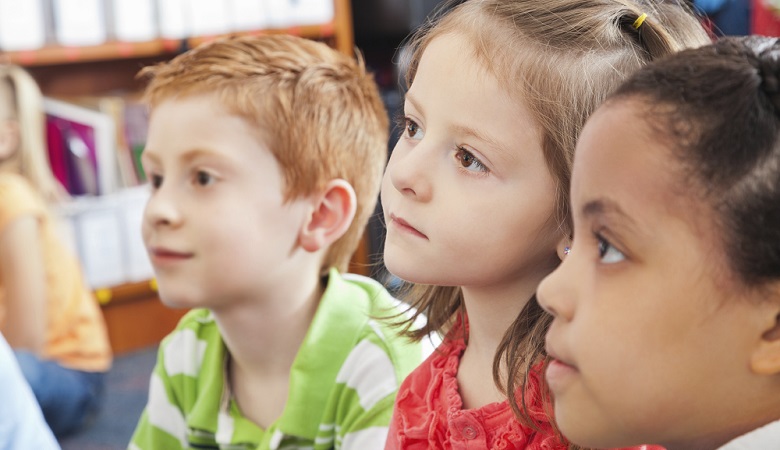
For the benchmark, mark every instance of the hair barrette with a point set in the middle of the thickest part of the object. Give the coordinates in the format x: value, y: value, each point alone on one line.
x: 639, y: 21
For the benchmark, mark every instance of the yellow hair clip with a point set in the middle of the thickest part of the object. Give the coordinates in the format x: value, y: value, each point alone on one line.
x: 640, y: 20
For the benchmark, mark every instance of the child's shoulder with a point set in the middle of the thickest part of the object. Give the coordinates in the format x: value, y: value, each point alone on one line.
x: 12, y: 184
x: 195, y: 330
x: 17, y: 198
x: 361, y: 302
x: 194, y: 349
x: 364, y: 311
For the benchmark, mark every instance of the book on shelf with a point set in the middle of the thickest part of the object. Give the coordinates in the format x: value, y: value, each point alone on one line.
x: 105, y: 233
x: 247, y: 15
x: 22, y: 25
x: 81, y: 148
x: 132, y: 20
x: 90, y: 139
x: 208, y: 17
x: 79, y: 22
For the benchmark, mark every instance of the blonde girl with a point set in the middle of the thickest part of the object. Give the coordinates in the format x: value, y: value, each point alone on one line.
x: 47, y: 313
x: 475, y: 197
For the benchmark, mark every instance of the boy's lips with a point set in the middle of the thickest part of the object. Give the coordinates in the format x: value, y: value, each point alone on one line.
x: 162, y: 253
x: 405, y: 226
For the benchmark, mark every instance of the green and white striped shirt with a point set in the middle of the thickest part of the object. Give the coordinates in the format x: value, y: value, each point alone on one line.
x: 342, y: 383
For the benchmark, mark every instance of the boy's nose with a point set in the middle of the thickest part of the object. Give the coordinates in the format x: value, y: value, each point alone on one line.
x: 162, y: 209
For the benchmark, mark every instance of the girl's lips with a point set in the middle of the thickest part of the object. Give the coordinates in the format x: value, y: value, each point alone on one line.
x: 404, y: 226
x: 559, y: 374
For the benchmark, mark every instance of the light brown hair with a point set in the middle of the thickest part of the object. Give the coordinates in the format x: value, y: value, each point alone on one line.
x: 318, y: 111
x: 560, y: 58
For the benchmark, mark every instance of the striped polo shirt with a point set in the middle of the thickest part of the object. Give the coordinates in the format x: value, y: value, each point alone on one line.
x: 342, y: 383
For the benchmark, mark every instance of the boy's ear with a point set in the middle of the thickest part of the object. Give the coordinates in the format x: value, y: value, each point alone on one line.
x: 765, y: 359
x: 9, y: 138
x: 332, y: 214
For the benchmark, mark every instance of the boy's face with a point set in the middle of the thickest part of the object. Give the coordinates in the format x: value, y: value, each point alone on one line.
x: 652, y: 336
x: 216, y: 227
x: 467, y: 194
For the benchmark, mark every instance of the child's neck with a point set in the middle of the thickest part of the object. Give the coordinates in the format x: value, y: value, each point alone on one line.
x: 10, y: 165
x: 263, y: 339
x: 491, y: 311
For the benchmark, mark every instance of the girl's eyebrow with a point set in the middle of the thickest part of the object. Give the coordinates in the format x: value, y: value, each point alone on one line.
x: 465, y: 130
x: 409, y: 98
x: 608, y: 207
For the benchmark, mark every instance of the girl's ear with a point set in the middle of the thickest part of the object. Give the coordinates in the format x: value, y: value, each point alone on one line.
x: 563, y: 247
x: 9, y: 138
x: 765, y: 359
x: 332, y: 214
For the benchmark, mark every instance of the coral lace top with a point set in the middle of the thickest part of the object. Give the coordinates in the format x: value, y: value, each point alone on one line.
x: 429, y: 414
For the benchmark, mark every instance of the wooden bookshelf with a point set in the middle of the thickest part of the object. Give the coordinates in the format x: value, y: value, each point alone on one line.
x: 338, y: 33
x: 135, y: 317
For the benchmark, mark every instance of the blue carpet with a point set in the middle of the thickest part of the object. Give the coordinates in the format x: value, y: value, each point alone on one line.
x: 127, y: 387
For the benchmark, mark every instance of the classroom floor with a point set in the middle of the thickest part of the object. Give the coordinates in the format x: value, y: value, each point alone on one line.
x: 127, y: 387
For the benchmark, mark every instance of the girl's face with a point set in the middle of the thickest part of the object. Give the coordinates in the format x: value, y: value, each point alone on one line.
x: 467, y: 195
x: 9, y: 129
x: 652, y: 335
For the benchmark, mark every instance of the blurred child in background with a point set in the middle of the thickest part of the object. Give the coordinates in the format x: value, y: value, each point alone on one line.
x: 22, y: 425
x: 47, y: 313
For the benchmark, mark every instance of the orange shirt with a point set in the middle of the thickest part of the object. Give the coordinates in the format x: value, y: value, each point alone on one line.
x: 76, y: 334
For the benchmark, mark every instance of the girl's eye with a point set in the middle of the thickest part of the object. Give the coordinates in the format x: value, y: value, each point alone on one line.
x: 608, y: 253
x: 469, y: 161
x: 203, y: 178
x: 413, y: 130
x: 155, y: 180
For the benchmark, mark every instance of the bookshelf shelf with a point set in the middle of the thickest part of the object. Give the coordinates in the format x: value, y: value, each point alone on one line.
x: 57, y: 54
x: 135, y: 317
x: 62, y: 55
x: 338, y: 32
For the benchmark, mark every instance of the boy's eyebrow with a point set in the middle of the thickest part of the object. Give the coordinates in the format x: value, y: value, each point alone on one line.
x: 195, y: 153
x: 149, y: 155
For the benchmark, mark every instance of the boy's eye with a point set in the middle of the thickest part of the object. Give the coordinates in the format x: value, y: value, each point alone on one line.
x: 413, y: 130
x: 156, y: 181
x: 204, y: 178
x: 469, y: 161
x: 608, y: 253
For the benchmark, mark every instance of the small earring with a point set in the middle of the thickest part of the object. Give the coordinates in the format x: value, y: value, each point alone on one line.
x: 566, y: 250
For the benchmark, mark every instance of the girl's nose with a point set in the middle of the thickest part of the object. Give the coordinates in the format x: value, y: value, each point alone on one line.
x: 554, y: 293
x: 409, y: 171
